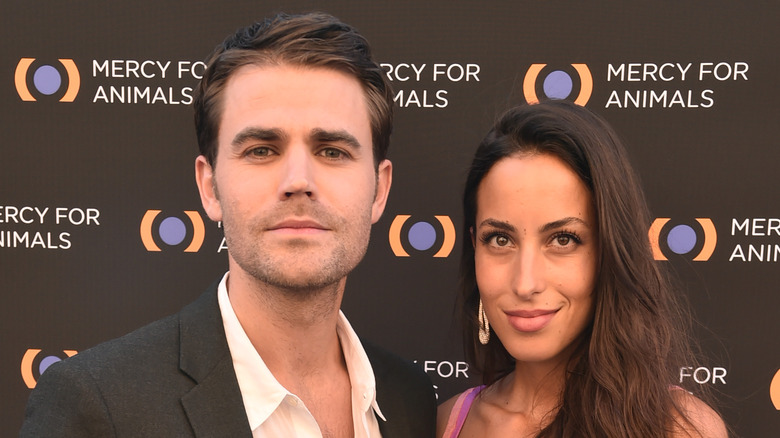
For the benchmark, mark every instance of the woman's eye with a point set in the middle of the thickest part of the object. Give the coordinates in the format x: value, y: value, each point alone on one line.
x: 565, y: 240
x: 501, y: 240
x: 497, y: 240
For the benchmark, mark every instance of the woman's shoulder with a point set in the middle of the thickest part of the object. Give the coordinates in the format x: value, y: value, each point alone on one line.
x: 443, y: 415
x: 698, y: 419
x: 453, y: 409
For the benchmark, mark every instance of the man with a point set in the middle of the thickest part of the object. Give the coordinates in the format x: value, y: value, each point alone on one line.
x: 293, y: 120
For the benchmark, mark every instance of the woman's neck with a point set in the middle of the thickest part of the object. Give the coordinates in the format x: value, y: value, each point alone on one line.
x: 534, y: 388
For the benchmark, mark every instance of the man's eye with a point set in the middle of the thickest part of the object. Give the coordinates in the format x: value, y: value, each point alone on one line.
x: 260, y: 152
x: 332, y: 153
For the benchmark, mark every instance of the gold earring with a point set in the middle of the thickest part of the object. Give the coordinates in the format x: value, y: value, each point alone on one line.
x: 484, y: 326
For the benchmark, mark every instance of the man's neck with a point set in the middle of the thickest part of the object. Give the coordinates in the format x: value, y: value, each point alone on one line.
x: 293, y: 331
x: 295, y: 334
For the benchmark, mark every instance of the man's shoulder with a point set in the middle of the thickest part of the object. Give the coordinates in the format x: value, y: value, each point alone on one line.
x: 142, y: 383
x: 154, y: 339
x: 148, y: 354
x: 152, y: 348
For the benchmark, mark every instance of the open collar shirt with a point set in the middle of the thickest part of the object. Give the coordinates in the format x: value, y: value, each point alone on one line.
x: 272, y: 410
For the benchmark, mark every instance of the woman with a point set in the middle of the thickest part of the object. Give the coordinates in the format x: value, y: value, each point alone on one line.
x: 566, y: 314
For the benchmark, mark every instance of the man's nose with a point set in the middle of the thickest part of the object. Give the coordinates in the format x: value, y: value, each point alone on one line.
x: 298, y: 173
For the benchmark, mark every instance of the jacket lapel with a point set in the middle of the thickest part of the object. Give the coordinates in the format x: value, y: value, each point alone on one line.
x: 214, y: 406
x: 386, y: 404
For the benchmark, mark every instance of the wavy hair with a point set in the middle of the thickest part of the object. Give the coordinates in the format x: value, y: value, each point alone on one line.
x: 618, y: 378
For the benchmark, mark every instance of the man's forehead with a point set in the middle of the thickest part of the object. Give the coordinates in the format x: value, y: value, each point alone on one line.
x: 336, y: 98
x: 265, y: 65
x: 325, y: 112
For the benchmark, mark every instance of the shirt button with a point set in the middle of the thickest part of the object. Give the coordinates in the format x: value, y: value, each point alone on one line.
x: 291, y: 401
x: 365, y: 396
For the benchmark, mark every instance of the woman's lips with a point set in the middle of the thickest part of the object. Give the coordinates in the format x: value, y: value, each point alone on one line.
x: 530, y: 320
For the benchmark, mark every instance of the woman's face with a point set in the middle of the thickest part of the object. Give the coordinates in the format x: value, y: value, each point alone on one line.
x: 535, y: 241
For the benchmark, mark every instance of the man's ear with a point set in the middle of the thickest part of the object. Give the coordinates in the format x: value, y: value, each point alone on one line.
x: 384, y: 179
x: 204, y: 177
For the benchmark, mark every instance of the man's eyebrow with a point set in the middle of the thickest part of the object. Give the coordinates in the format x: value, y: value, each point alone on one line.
x: 255, y: 133
x: 501, y: 225
x: 337, y: 136
x: 562, y: 223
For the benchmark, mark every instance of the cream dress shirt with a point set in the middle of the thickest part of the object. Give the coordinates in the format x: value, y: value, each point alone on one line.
x: 272, y: 410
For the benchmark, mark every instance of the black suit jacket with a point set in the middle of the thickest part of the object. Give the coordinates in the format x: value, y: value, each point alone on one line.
x: 175, y: 378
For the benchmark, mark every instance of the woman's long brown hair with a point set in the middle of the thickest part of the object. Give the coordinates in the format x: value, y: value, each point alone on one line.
x: 619, y: 377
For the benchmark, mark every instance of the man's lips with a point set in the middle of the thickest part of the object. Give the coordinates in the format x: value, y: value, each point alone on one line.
x: 530, y: 320
x: 298, y: 226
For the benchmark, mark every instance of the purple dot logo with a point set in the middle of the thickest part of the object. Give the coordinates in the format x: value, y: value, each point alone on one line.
x: 422, y: 236
x: 558, y: 85
x: 29, y: 360
x: 173, y: 231
x: 681, y: 239
x: 47, y: 80
x: 573, y: 82
x: 46, y: 362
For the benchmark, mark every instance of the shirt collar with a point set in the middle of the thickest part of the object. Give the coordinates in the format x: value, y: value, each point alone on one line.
x: 260, y: 390
x: 361, y: 375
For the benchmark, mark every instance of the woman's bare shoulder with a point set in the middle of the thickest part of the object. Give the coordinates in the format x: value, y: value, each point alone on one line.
x: 702, y: 420
x: 443, y: 415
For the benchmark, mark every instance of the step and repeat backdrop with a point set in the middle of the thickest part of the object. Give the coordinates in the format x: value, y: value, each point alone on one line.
x: 102, y: 231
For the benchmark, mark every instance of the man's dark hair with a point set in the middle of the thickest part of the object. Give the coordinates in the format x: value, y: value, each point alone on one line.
x: 308, y: 40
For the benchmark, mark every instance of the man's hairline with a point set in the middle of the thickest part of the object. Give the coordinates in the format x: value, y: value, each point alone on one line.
x: 276, y: 61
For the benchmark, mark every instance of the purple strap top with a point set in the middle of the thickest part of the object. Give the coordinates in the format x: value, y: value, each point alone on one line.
x: 460, y: 410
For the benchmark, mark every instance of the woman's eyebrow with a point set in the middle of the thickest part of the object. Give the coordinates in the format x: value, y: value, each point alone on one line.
x: 495, y: 223
x: 562, y: 223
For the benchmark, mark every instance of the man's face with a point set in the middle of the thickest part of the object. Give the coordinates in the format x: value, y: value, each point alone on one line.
x: 294, y: 182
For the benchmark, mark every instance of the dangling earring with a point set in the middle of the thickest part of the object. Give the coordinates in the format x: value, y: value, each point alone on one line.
x: 484, y: 326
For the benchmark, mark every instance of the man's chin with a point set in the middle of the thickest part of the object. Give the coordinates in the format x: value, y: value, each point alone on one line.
x: 302, y: 278
x: 303, y: 286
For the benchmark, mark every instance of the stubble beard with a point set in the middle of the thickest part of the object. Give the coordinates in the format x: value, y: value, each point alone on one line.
x: 299, y: 268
